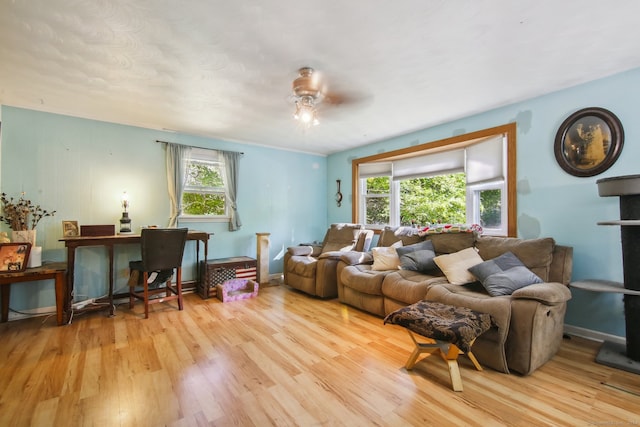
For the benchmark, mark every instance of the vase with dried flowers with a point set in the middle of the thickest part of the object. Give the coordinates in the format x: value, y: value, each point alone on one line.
x: 22, y: 216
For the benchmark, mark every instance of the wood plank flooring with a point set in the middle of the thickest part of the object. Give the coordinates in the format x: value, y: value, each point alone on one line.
x: 282, y: 359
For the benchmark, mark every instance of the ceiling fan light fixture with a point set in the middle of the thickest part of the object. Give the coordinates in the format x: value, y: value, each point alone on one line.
x: 306, y: 112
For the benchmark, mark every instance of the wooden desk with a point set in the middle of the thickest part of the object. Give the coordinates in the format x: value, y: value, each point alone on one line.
x: 72, y: 243
x: 55, y: 270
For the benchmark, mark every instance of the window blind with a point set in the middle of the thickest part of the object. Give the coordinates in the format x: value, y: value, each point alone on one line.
x: 371, y: 170
x: 442, y: 163
x: 485, y: 161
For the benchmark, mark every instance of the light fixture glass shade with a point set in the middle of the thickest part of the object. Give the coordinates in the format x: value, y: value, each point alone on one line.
x: 125, y: 201
x: 306, y: 112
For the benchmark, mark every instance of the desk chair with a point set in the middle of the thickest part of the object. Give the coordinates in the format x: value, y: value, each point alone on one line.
x: 162, y: 250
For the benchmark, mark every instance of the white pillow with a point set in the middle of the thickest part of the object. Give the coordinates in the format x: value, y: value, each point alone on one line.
x: 455, y: 266
x: 386, y: 257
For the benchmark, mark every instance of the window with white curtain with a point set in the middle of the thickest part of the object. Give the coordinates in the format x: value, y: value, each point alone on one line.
x: 475, y: 171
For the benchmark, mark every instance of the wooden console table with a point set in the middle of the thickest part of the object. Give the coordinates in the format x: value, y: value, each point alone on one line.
x: 72, y: 243
x: 56, y: 271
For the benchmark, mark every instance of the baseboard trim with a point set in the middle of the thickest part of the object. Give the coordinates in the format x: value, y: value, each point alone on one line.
x: 189, y: 286
x: 276, y: 277
x: 25, y: 314
x: 593, y: 335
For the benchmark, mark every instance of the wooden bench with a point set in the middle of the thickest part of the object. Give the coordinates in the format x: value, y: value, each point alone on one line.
x: 447, y: 330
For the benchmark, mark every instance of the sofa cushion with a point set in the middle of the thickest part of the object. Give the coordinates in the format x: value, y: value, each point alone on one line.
x: 363, y: 279
x: 341, y: 237
x: 408, y: 286
x: 386, y: 258
x: 546, y: 293
x: 406, y: 235
x: 455, y: 266
x: 535, y: 254
x: 451, y: 242
x: 303, y: 266
x: 504, y: 275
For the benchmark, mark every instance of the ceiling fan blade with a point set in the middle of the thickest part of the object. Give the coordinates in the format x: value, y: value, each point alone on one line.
x: 345, y: 98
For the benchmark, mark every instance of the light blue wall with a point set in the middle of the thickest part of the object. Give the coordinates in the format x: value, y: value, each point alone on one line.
x: 81, y: 167
x: 550, y: 201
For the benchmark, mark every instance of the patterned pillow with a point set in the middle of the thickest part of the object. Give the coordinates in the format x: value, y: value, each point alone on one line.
x: 504, y: 275
x: 451, y: 228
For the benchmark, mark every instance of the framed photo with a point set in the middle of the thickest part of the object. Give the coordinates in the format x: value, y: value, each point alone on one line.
x: 70, y: 229
x: 14, y: 256
x: 589, y: 142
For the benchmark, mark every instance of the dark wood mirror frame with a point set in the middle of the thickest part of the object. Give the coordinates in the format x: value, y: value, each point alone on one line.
x: 589, y: 142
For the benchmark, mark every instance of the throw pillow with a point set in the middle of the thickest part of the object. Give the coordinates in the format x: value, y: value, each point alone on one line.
x: 418, y: 257
x: 386, y: 258
x: 421, y: 261
x: 455, y: 266
x: 504, y: 275
x: 403, y: 250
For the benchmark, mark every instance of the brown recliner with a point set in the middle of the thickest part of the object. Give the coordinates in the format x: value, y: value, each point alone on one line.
x: 312, y: 269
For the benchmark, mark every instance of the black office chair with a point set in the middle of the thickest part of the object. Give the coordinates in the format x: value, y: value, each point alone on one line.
x: 162, y: 250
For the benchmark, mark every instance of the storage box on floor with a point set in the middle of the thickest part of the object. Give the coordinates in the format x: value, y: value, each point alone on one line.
x: 215, y: 271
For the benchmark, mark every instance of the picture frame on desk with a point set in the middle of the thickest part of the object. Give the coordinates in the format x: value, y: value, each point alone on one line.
x: 70, y: 229
x: 14, y: 256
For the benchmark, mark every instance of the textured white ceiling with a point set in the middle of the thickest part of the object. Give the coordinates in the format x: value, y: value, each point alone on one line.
x: 223, y: 69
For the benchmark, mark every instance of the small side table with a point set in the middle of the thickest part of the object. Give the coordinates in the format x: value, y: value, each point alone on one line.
x: 55, y: 270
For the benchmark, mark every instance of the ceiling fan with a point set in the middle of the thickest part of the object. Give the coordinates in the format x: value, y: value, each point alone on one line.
x: 309, y: 90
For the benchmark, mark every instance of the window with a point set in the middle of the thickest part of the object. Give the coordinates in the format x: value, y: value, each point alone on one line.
x: 377, y: 194
x: 205, y: 188
x: 445, y: 195
x: 468, y: 178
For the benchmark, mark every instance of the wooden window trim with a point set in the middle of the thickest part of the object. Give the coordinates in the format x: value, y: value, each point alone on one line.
x: 458, y: 141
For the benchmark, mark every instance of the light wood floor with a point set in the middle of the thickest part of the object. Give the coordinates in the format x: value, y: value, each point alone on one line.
x: 280, y: 359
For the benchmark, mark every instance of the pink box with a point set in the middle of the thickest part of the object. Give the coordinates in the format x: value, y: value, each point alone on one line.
x: 237, y: 289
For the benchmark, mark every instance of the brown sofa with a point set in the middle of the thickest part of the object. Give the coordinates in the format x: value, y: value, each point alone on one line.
x: 529, y: 322
x: 312, y: 268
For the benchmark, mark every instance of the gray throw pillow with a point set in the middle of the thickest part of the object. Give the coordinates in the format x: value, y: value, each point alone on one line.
x: 504, y: 275
x: 403, y: 250
x: 419, y: 259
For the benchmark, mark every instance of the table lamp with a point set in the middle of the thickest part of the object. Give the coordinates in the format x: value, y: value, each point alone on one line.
x: 125, y: 221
